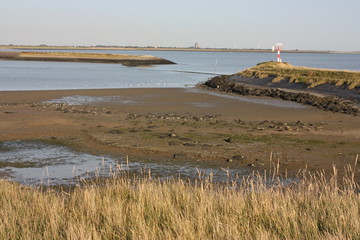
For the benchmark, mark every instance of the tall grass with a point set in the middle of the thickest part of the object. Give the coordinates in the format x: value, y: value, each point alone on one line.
x: 309, y: 76
x: 314, y: 207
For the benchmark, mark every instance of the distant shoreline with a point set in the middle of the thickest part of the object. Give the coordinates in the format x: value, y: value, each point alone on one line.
x: 163, y: 49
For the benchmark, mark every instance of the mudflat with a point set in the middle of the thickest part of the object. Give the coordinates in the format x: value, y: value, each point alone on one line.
x: 184, y: 123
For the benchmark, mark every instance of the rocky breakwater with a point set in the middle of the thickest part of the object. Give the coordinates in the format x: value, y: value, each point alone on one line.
x: 328, y: 103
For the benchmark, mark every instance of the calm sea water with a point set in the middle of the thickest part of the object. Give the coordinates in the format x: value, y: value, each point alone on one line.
x: 191, y: 68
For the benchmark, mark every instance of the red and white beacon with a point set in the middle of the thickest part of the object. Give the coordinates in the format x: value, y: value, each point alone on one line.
x: 278, y: 47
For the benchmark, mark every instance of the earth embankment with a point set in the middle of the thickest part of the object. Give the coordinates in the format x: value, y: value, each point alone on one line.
x: 344, y: 98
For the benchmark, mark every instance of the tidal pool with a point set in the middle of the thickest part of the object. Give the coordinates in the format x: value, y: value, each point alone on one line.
x: 37, y: 163
x: 253, y: 99
x: 90, y: 100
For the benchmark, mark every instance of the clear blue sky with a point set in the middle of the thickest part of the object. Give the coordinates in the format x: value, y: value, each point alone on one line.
x: 299, y: 24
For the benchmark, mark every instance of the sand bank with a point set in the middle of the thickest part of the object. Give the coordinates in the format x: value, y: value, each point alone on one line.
x: 127, y: 60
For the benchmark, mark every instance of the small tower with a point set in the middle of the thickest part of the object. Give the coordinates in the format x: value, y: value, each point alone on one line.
x: 196, y: 45
x: 278, y: 47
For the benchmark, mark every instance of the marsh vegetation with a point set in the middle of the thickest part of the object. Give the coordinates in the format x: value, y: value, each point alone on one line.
x: 262, y: 206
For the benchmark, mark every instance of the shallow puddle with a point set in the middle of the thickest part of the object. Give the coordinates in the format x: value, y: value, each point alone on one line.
x: 203, y: 104
x: 89, y: 100
x: 251, y: 99
x: 38, y: 163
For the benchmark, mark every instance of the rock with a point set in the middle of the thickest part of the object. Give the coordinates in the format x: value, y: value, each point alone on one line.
x: 116, y: 131
x: 179, y: 155
x: 172, y: 143
x: 189, y: 144
x: 238, y: 157
x: 173, y: 135
x: 185, y: 139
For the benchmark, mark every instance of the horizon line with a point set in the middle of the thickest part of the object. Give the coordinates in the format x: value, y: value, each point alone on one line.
x: 190, y: 48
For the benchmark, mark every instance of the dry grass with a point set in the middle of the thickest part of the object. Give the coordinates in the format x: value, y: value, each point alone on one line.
x: 309, y: 76
x: 315, y: 207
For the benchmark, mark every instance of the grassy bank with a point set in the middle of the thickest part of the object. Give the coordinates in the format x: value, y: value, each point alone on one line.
x: 129, y: 60
x: 309, y: 76
x: 126, y: 208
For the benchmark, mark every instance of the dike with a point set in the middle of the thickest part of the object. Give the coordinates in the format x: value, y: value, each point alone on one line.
x: 327, y: 103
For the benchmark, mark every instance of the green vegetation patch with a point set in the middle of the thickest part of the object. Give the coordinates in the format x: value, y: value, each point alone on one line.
x: 309, y: 76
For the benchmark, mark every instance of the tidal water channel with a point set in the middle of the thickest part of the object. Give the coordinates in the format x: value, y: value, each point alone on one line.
x: 37, y: 163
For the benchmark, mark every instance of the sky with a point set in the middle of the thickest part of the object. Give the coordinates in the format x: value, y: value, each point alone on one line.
x: 298, y: 24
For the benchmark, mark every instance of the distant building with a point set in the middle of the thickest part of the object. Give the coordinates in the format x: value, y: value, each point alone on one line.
x: 196, y: 45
